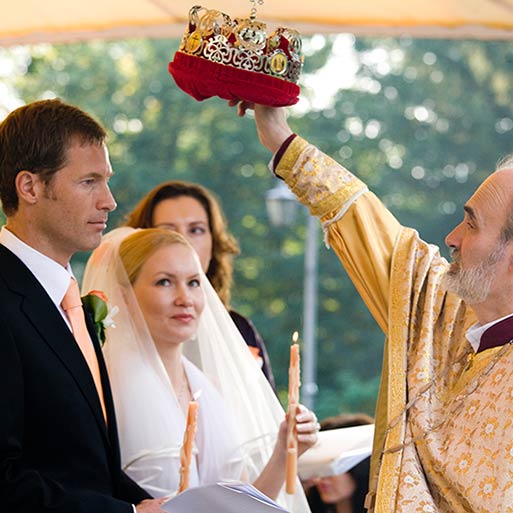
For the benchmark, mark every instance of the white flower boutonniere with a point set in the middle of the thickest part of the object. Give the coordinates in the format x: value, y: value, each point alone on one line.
x: 97, y: 304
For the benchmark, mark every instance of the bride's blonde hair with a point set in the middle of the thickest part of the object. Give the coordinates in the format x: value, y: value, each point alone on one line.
x: 137, y: 247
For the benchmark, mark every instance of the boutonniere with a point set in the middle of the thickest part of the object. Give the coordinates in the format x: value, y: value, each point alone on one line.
x: 97, y: 304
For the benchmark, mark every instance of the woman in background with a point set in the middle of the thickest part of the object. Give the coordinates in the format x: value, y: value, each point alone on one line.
x: 342, y: 493
x: 194, y: 212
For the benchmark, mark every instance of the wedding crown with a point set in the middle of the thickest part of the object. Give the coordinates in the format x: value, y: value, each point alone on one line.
x: 234, y: 59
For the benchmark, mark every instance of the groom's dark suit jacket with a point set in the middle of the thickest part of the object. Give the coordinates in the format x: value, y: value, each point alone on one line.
x: 56, y: 453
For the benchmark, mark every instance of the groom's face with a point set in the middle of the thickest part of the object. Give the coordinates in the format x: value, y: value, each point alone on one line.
x: 72, y: 209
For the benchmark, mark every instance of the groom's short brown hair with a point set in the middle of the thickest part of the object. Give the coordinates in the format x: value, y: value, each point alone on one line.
x: 36, y: 138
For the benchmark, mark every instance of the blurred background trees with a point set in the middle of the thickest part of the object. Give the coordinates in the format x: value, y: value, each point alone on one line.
x: 422, y: 122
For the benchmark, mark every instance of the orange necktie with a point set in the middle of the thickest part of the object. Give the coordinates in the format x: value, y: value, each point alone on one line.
x: 72, y: 305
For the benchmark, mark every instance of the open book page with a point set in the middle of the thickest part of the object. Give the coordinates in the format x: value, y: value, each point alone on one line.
x: 336, y: 451
x: 223, y: 498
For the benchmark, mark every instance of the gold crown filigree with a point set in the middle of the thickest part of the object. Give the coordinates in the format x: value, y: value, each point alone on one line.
x: 243, y: 44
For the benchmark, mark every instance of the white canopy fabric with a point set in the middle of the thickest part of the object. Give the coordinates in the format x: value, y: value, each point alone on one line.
x: 34, y: 21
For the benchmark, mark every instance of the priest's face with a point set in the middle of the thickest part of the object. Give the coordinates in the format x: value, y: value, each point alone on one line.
x: 480, y: 270
x: 473, y: 284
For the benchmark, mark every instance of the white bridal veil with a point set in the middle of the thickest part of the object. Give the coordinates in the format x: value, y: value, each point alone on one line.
x: 239, y: 413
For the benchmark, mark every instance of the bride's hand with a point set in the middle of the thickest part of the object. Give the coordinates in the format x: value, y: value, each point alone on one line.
x: 272, y: 477
x: 307, y: 428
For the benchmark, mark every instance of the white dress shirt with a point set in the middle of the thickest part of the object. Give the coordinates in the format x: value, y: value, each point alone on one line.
x: 51, y: 275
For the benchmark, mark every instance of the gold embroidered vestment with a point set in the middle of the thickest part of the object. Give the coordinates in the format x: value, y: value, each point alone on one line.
x: 462, y: 458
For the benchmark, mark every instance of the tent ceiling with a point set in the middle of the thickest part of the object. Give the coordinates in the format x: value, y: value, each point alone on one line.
x: 33, y: 21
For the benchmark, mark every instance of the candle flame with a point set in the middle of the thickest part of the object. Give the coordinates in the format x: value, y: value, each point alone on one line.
x: 295, y: 337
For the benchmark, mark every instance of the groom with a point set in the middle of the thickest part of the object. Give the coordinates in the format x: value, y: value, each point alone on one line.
x: 59, y: 448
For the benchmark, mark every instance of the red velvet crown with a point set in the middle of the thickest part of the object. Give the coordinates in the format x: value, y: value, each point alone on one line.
x: 235, y: 60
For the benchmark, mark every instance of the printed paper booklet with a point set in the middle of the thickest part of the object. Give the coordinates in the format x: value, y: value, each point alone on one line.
x: 223, y: 498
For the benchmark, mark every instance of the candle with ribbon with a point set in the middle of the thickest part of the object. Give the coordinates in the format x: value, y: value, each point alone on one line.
x: 188, y: 442
x: 293, y: 402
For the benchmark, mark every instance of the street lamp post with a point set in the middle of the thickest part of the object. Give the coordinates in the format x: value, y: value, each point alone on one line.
x: 281, y: 208
x: 309, y: 387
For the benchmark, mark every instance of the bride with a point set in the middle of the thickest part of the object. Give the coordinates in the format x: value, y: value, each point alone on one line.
x: 173, y: 341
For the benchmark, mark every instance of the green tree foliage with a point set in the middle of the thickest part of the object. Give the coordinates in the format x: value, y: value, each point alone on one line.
x: 422, y: 122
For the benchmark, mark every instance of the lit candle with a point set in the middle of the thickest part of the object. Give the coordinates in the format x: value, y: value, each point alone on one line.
x: 293, y: 400
x: 188, y: 441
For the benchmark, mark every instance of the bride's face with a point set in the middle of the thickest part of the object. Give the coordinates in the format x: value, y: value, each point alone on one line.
x: 168, y: 291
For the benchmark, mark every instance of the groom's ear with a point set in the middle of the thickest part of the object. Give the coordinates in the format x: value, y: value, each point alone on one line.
x: 28, y: 187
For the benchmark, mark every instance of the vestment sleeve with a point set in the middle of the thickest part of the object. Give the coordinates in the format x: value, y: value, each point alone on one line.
x: 358, y: 227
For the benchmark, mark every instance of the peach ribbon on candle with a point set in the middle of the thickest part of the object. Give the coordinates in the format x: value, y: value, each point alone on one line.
x: 188, y: 441
x: 293, y: 402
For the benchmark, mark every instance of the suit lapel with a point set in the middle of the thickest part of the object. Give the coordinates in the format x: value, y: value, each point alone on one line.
x: 41, y: 312
x: 107, y: 392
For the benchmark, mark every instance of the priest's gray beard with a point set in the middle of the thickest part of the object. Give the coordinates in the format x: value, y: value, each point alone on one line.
x: 472, y: 285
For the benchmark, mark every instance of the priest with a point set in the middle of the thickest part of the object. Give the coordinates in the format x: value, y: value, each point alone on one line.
x: 444, y: 434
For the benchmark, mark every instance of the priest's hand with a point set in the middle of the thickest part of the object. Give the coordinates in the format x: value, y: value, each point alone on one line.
x: 271, y: 123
